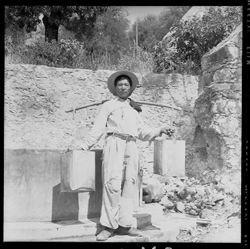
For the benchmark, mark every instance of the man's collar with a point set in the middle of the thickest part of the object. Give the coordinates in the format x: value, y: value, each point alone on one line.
x: 122, y: 100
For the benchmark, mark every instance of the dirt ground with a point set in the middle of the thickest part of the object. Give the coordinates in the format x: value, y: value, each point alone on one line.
x: 210, y: 234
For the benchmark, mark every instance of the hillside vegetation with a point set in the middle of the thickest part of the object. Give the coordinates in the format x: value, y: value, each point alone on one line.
x: 96, y: 37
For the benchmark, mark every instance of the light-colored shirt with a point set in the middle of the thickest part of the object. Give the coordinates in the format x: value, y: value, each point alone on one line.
x: 118, y: 116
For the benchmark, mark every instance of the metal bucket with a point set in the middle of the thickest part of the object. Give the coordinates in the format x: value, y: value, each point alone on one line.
x: 78, y: 171
x: 169, y: 157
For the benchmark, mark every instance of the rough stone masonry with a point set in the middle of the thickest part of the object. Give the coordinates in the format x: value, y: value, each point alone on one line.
x: 218, y: 110
x: 36, y: 98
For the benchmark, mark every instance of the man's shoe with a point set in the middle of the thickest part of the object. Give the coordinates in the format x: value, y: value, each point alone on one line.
x: 105, y: 234
x: 129, y: 231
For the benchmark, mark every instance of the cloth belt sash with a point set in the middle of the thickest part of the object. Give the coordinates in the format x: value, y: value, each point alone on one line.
x: 126, y: 137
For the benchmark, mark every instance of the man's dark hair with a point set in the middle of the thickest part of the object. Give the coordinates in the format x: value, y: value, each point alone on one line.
x: 122, y: 77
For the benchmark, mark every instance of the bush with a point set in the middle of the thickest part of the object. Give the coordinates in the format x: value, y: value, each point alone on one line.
x: 142, y: 61
x: 66, y: 53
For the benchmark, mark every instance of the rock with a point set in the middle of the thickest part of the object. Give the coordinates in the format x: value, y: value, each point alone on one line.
x: 167, y: 203
x: 180, y: 207
x: 171, y: 195
x: 183, y: 178
x: 218, y: 197
x: 170, y: 188
x: 220, y: 187
x: 182, y: 194
x: 191, y: 190
x: 198, y: 205
x: 179, y: 183
x: 146, y: 195
x: 208, y: 191
x: 160, y: 178
x: 153, y: 190
x: 193, y: 212
x: 232, y: 221
x: 196, y: 197
x: 189, y: 198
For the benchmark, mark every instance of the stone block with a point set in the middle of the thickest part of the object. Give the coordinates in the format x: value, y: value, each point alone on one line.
x: 32, y: 188
x: 221, y: 55
x: 223, y: 75
x: 220, y: 87
x: 206, y: 79
x: 236, y: 87
x: 142, y: 220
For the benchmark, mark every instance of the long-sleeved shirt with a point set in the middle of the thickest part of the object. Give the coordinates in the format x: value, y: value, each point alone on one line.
x: 118, y: 116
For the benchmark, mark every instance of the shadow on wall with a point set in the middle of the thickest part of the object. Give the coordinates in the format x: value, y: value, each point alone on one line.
x: 207, y: 147
x: 200, y: 143
x: 65, y: 205
x: 95, y: 197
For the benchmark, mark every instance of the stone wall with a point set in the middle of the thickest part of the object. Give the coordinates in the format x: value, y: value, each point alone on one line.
x: 218, y: 109
x: 36, y: 98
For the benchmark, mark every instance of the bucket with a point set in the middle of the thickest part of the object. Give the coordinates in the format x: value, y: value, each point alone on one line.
x: 78, y: 171
x: 169, y: 157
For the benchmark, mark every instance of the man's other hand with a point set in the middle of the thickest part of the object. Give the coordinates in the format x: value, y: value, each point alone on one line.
x: 168, y: 131
x: 77, y: 147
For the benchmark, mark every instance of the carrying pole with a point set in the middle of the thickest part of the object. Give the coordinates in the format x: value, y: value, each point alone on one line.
x: 86, y: 106
x: 139, y: 102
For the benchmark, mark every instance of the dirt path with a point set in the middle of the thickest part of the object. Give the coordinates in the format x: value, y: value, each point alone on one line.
x: 223, y: 234
x: 211, y: 234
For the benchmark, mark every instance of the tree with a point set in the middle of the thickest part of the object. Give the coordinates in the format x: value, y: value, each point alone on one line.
x: 196, y: 37
x: 147, y: 32
x: 153, y: 28
x: 191, y: 39
x: 109, y: 33
x: 53, y: 16
x: 170, y: 17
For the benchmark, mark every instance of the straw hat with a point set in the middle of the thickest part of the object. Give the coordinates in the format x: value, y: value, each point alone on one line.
x: 113, y: 77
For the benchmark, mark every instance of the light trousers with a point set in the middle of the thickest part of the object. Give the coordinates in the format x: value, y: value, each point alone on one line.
x: 120, y: 174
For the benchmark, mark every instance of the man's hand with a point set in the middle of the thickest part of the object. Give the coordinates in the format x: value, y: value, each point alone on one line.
x: 77, y: 146
x: 167, y: 131
x: 84, y: 147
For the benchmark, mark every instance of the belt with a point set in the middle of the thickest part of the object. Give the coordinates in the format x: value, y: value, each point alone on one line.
x: 128, y: 138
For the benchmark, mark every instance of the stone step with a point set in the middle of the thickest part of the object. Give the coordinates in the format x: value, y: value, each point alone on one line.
x: 142, y: 220
x: 150, y: 234
x: 42, y: 231
x: 155, y: 226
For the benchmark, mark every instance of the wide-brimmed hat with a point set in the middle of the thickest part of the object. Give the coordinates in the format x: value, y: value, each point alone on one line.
x: 113, y: 77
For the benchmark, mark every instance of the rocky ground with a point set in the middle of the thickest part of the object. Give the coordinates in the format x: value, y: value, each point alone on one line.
x: 217, y: 210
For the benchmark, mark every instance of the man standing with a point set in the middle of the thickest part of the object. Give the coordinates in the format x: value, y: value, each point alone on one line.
x: 120, y: 121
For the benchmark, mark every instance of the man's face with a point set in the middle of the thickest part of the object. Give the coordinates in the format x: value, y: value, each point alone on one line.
x: 123, y: 88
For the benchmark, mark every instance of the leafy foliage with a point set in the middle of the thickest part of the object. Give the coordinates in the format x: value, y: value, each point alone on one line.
x: 99, y: 39
x: 152, y: 29
x: 23, y: 16
x: 65, y: 53
x: 192, y: 39
x: 169, y: 18
x: 137, y: 60
x: 147, y: 32
x: 79, y: 19
x: 109, y: 35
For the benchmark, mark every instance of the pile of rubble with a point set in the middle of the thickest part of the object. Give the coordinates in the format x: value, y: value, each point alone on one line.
x: 205, y: 198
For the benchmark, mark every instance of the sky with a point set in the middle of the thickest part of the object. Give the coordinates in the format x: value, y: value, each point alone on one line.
x: 140, y: 12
